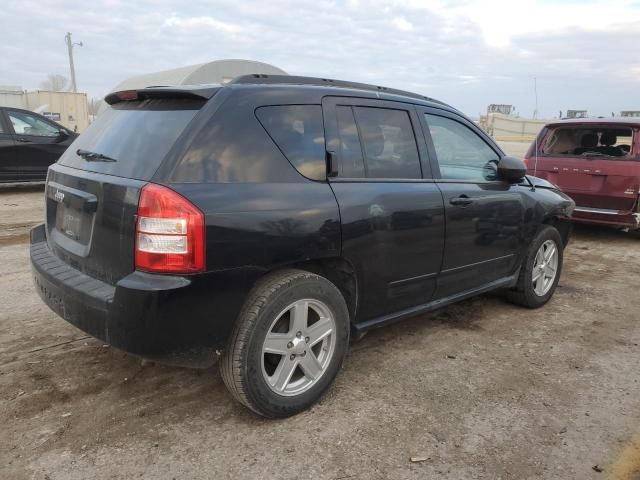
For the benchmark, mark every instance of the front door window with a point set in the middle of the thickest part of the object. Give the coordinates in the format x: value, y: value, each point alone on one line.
x: 462, y: 154
x: 26, y: 124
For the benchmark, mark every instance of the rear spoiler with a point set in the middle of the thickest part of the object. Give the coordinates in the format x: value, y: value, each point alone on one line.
x: 202, y: 93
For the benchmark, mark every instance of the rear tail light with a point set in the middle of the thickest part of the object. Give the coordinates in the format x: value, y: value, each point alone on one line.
x: 127, y: 95
x: 170, y: 234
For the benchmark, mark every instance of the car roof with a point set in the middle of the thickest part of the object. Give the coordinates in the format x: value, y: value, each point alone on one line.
x: 614, y: 121
x: 325, y: 86
x: 18, y: 109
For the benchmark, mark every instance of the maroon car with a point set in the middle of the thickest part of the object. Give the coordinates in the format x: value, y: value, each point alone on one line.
x: 597, y: 163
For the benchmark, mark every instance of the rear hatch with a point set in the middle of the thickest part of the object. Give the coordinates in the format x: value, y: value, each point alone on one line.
x: 597, y: 164
x: 92, y: 192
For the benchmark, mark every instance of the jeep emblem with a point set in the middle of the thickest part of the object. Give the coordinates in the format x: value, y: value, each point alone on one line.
x: 59, y: 196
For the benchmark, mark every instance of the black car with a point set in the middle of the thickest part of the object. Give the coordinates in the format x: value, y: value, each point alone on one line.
x: 29, y: 143
x: 267, y: 220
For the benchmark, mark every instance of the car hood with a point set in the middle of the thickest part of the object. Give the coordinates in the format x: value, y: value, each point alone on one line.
x: 565, y: 204
x: 541, y: 182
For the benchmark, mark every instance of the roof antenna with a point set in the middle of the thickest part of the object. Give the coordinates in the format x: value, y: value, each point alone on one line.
x: 535, y: 93
x: 535, y: 115
x: 535, y: 165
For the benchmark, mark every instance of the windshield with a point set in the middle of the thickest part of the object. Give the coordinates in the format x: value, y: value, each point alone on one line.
x: 137, y: 135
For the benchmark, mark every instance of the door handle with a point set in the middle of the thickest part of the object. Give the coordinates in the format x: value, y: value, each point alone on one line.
x: 461, y: 201
x: 332, y: 164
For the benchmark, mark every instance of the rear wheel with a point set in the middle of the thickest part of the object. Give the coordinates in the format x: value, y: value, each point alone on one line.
x: 288, y: 345
x: 540, y: 271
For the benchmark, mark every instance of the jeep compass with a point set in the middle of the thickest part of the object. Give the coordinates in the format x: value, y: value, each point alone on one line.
x: 268, y: 220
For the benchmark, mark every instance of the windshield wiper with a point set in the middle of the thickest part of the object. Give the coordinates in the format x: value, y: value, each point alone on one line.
x: 90, y: 156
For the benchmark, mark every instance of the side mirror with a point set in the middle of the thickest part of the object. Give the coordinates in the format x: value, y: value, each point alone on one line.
x: 511, y: 169
x: 63, y: 134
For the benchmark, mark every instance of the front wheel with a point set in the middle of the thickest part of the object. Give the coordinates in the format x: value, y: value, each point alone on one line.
x: 540, y: 271
x: 288, y: 345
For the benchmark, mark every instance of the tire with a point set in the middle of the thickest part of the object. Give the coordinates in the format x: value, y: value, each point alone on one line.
x: 258, y: 378
x: 524, y: 293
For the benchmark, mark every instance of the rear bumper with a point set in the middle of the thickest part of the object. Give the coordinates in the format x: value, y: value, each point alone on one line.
x: 171, y: 319
x: 600, y: 216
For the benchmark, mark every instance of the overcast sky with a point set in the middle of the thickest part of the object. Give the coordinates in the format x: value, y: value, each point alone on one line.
x: 585, y: 54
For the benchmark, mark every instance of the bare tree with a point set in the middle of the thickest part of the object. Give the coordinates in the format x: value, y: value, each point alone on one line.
x: 94, y: 105
x: 55, y: 82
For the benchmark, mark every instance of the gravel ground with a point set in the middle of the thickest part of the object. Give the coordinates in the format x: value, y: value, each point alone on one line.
x: 481, y: 389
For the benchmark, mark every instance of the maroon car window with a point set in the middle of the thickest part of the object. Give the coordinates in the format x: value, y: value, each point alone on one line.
x: 602, y: 141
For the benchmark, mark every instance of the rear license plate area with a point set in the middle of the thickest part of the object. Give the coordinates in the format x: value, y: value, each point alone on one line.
x: 69, y: 223
x: 73, y: 224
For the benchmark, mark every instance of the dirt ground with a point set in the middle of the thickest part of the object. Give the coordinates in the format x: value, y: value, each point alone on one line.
x: 482, y: 389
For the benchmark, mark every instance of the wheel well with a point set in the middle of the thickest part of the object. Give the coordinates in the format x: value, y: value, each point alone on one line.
x: 339, y: 272
x: 563, y: 225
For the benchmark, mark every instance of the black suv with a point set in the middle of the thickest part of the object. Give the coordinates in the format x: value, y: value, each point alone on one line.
x: 267, y: 220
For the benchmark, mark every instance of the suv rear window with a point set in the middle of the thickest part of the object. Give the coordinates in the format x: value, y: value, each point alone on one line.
x: 138, y: 135
x: 298, y: 131
x: 589, y: 141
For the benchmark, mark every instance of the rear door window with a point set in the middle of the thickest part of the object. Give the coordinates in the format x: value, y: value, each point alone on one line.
x: 388, y: 142
x: 138, y: 135
x: 298, y: 131
x: 351, y: 161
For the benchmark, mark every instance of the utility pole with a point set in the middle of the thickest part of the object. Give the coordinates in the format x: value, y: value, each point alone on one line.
x: 70, y: 45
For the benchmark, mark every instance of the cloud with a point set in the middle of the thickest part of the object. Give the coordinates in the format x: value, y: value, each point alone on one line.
x: 500, y: 21
x: 200, y: 22
x: 468, y: 53
x: 402, y: 24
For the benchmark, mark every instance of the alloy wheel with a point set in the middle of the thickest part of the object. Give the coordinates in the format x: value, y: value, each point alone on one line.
x: 298, y: 347
x: 545, y: 268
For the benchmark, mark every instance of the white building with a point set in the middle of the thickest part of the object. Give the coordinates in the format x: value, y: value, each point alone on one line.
x: 218, y: 71
x: 67, y: 108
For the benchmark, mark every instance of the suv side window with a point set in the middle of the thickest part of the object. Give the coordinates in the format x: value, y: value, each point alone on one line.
x: 462, y: 154
x: 351, y: 161
x: 298, y: 131
x: 25, y: 124
x: 389, y: 143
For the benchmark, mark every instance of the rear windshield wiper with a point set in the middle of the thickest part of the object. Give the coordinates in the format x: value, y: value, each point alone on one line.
x: 90, y: 156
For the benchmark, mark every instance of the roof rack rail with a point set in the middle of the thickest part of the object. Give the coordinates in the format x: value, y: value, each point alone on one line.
x: 263, y: 79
